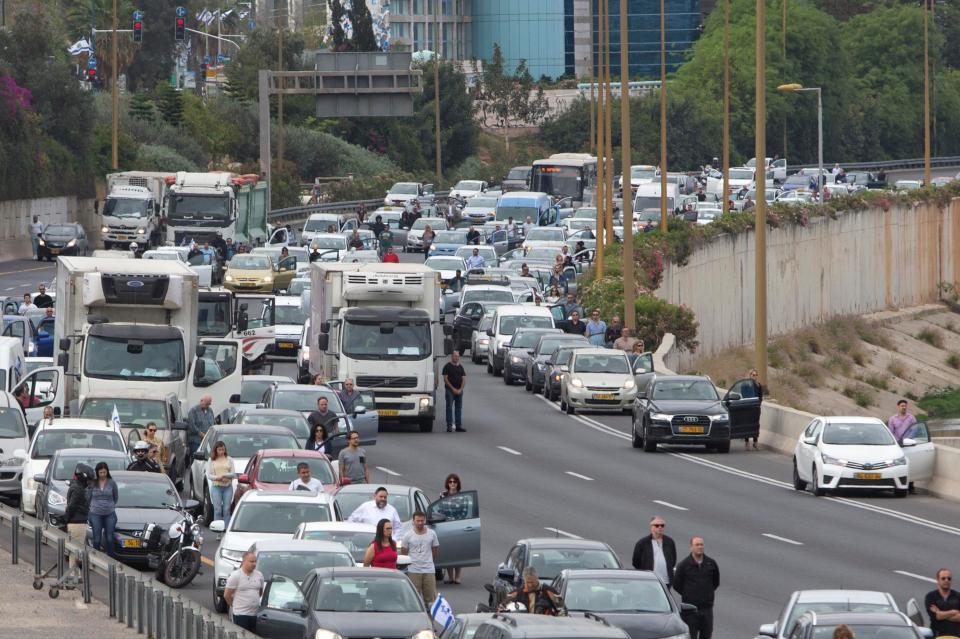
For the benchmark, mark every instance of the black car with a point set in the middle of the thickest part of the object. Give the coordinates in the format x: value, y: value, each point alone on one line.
x: 686, y: 409
x: 520, y: 350
x: 467, y: 320
x: 67, y: 238
x: 865, y: 625
x: 557, y: 364
x: 634, y: 600
x: 143, y: 498
x: 518, y: 179
x: 54, y: 482
x: 537, y: 364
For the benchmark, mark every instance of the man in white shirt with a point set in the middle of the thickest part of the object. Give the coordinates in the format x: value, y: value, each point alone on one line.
x: 242, y: 592
x: 27, y: 305
x: 304, y: 481
x: 36, y: 230
x: 371, y: 512
x: 476, y: 260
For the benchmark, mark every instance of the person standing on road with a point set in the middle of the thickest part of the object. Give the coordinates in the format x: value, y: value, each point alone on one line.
x: 349, y: 396
x: 322, y: 415
x: 696, y: 579
x: 901, y: 423
x: 199, y: 420
x: 150, y: 436
x: 427, y: 239
x: 356, y: 242
x: 943, y: 606
x: 452, y: 487
x: 475, y: 261
x: 103, y: 509
x: 242, y: 592
x: 422, y: 545
x: 596, y: 328
x: 378, y: 508
x: 386, y: 239
x: 318, y: 439
x: 753, y: 390
x: 575, y: 326
x: 571, y: 305
x: 626, y: 341
x: 141, y: 463
x: 614, y: 328
x: 78, y: 508
x: 382, y: 551
x: 656, y: 552
x: 219, y: 471
x: 27, y: 305
x: 353, y: 461
x: 36, y: 230
x: 304, y: 481
x: 389, y: 257
x: 377, y: 226
x: 42, y: 300
x: 454, y: 381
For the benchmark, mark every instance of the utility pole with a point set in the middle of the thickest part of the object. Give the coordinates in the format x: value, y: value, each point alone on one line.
x: 280, y: 93
x: 926, y: 93
x: 601, y: 151
x: 436, y: 89
x: 726, y: 106
x: 626, y: 208
x: 607, y: 235
x: 783, y: 51
x: 115, y: 125
x: 760, y: 223
x: 663, y: 120
x: 593, y: 120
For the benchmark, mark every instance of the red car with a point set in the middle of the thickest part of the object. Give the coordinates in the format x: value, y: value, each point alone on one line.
x: 275, y: 468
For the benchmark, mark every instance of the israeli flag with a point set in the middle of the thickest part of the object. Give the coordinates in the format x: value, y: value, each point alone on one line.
x: 80, y: 46
x: 115, y: 417
x: 441, y: 612
x: 226, y: 14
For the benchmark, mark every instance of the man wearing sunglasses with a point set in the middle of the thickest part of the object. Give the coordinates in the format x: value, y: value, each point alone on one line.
x: 656, y: 552
x: 943, y: 606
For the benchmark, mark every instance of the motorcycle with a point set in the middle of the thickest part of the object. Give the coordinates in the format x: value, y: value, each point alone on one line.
x: 175, y: 552
x: 498, y: 603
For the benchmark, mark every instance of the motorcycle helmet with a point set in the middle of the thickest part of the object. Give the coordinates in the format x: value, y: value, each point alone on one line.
x: 141, y: 446
x: 515, y: 606
x: 83, y: 473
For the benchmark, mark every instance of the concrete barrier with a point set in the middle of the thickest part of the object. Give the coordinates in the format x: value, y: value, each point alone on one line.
x: 17, y: 215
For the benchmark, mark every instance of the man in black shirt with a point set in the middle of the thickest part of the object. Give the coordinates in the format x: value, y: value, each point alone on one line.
x: 377, y: 226
x: 42, y: 300
x: 323, y: 416
x: 454, y: 380
x: 943, y: 606
x: 473, y: 236
x: 575, y: 326
x: 696, y: 578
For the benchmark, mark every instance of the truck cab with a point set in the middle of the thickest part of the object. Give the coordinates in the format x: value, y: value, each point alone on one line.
x: 131, y: 211
x: 249, y: 318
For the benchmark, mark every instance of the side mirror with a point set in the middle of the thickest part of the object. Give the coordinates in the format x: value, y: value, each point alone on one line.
x: 530, y: 351
x: 64, y: 343
x: 63, y: 360
x: 56, y: 411
x: 21, y: 453
x: 507, y: 574
x: 908, y: 442
x: 235, y: 398
x: 40, y: 478
x: 360, y: 410
x: 323, y: 341
x: 192, y: 506
x: 768, y: 630
x: 243, y: 479
x: 436, y: 518
x: 179, y: 426
x: 688, y: 607
x: 217, y: 526
x: 810, y: 441
x: 201, y: 350
x: 489, y: 332
x: 201, y: 455
x: 200, y: 370
x: 324, y: 327
x: 732, y: 397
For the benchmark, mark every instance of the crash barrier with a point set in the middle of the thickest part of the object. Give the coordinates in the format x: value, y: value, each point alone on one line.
x: 133, y: 598
x: 297, y: 214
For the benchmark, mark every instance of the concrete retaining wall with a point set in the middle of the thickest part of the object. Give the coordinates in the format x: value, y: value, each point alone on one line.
x: 860, y: 263
x: 16, y: 216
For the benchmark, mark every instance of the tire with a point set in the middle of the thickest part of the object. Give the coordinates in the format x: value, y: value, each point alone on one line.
x: 563, y: 404
x: 723, y: 447
x: 207, y: 507
x: 426, y: 424
x: 182, y: 569
x: 637, y: 441
x: 507, y: 376
x: 649, y: 446
x: 527, y: 386
x: 798, y: 484
x: 473, y: 357
x: 570, y: 409
x: 815, y: 485
x: 547, y: 392
x: 219, y: 603
x: 489, y: 368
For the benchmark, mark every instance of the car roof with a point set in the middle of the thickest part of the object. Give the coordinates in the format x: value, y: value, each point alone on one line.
x: 274, y: 412
x: 563, y: 542
x: 345, y: 526
x: 358, y: 571
x: 282, y: 379
x: 291, y: 452
x: 140, y: 393
x: 142, y: 476
x: 682, y: 378
x: 87, y: 452
x: 609, y: 573
x: 260, y: 429
x: 600, y: 351
x: 851, y: 596
x: 521, y: 309
x: 294, y: 496
x: 860, y: 618
x: 370, y: 488
x: 850, y: 419
x: 306, y: 545
x: 79, y: 423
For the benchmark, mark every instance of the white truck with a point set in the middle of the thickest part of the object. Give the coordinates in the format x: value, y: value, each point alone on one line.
x: 131, y: 211
x: 381, y: 325
x: 248, y: 317
x: 127, y: 324
x: 202, y: 205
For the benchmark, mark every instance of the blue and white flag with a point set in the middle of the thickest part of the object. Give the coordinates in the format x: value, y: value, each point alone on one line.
x: 226, y: 14
x: 441, y: 612
x: 115, y: 417
x: 80, y: 46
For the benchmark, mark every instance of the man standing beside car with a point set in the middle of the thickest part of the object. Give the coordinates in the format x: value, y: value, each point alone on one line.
x: 696, y: 578
x: 242, y: 592
x: 199, y: 420
x: 943, y: 606
x: 42, y: 300
x: 421, y: 545
x: 656, y: 552
x: 901, y: 423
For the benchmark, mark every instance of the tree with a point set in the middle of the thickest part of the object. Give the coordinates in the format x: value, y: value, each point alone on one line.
x: 170, y: 104
x: 458, y: 131
x: 259, y: 51
x: 511, y: 97
x: 141, y: 107
x: 153, y: 59
x: 362, y: 38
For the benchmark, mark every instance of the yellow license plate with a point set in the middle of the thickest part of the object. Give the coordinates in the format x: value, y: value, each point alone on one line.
x: 692, y: 429
x: 54, y: 251
x: 131, y: 543
x: 603, y: 396
x: 388, y: 412
x: 287, y: 344
x: 867, y: 475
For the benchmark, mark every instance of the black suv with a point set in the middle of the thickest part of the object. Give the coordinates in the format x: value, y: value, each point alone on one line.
x: 520, y: 350
x: 686, y: 409
x: 466, y: 321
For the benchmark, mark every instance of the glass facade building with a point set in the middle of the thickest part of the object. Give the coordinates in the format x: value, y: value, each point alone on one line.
x: 682, y: 25
x: 531, y: 30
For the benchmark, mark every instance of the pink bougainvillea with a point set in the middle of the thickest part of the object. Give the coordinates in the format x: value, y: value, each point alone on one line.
x: 13, y: 97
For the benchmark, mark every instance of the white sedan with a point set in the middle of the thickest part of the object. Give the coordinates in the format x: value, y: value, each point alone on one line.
x: 860, y: 453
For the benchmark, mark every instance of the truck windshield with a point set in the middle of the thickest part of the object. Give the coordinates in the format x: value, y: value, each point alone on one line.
x: 518, y: 213
x: 213, y: 318
x: 387, y: 340
x: 126, y: 207
x: 153, y: 360
x: 644, y: 202
x: 200, y: 207
x: 134, y: 413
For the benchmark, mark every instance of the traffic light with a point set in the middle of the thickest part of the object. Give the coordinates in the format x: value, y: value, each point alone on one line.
x: 137, y: 30
x: 180, y: 29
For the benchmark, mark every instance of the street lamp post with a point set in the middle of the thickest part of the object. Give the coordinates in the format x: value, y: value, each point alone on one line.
x: 799, y: 88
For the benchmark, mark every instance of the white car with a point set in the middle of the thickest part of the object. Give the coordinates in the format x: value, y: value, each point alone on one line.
x: 547, y: 236
x: 261, y: 515
x: 480, y: 209
x: 479, y: 340
x: 908, y: 185
x: 329, y: 246
x: 355, y: 536
x: 415, y: 234
x: 859, y: 453
x: 826, y: 601
x: 13, y: 437
x: 466, y: 189
x: 290, y: 316
x: 61, y: 434
x: 403, y: 193
x: 487, y: 252
x: 599, y: 379
x: 180, y: 254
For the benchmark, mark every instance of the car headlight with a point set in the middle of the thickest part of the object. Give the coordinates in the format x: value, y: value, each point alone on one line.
x: 72, y: 243
x: 833, y: 461
x: 13, y: 461
x: 31, y: 484
x: 899, y: 461
x: 231, y: 555
x: 557, y: 377
x: 660, y: 417
x: 306, y: 354
x: 424, y: 402
x: 55, y: 499
x: 484, y: 342
x: 720, y: 418
x: 104, y: 229
x: 514, y: 359
x: 42, y: 242
x: 628, y: 384
x: 268, y: 279
x: 228, y: 278
x: 326, y: 634
x: 424, y: 634
x: 576, y: 383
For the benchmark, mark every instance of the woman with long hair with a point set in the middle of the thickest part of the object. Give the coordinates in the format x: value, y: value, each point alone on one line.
x: 452, y: 486
x: 103, y: 509
x: 219, y: 470
x: 318, y: 438
x: 382, y: 551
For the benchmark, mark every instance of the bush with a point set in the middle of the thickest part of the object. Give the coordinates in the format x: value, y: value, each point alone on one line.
x: 953, y: 360
x: 942, y: 403
x: 859, y: 394
x: 157, y: 157
x: 931, y: 336
x: 897, y: 369
x: 656, y: 317
x: 319, y: 154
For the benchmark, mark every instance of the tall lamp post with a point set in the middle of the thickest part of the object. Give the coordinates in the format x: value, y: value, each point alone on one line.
x: 799, y: 88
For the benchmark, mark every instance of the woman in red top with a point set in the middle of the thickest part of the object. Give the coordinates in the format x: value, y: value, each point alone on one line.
x: 382, y: 551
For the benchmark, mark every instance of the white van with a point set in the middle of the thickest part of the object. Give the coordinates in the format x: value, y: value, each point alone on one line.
x: 44, y: 384
x: 12, y: 363
x: 506, y: 320
x: 13, y: 436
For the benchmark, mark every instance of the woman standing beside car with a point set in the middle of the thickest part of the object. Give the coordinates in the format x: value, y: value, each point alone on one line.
x: 103, y: 497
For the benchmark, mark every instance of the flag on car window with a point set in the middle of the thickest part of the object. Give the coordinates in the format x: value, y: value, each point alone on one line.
x: 115, y: 417
x: 441, y: 612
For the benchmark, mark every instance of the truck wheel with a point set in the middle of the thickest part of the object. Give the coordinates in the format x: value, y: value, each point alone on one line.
x: 426, y: 424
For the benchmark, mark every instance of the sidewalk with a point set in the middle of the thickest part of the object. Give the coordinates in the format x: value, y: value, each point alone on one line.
x: 32, y: 614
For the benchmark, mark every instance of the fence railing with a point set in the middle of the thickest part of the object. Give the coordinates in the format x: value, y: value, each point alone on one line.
x: 133, y: 598
x: 912, y: 163
x: 301, y: 213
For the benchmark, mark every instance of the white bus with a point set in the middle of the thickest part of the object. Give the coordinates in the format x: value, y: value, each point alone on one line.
x: 566, y: 175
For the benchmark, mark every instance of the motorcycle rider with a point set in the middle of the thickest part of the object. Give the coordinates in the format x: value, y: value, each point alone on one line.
x: 141, y: 462
x: 537, y: 597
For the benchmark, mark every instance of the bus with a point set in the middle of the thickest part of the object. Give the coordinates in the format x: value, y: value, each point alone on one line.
x: 566, y: 175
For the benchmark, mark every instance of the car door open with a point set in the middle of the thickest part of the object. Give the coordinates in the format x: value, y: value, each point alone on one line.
x: 920, y: 452
x: 456, y: 520
x: 283, y: 610
x: 743, y: 405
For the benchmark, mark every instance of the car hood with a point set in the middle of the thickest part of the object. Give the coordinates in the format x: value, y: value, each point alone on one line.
x: 519, y: 352
x: 242, y: 272
x: 610, y: 380
x: 651, y: 625
x: 689, y: 406
x: 870, y: 454
x: 136, y: 518
x: 241, y: 541
x: 373, y: 624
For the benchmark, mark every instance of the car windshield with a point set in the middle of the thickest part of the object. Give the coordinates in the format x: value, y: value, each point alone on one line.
x: 404, y: 188
x: 510, y: 323
x: 545, y: 235
x: 252, y: 390
x: 548, y: 344
x: 280, y: 518
x: 296, y: 423
x: 468, y: 185
x: 616, y: 595
x: 857, y: 434
x: 61, y: 230
x: 380, y: 340
x: 290, y: 314
x: 525, y: 339
x: 579, y: 224
x: 481, y: 203
x: 445, y: 264
x: 126, y: 207
x: 613, y: 364
x: 356, y: 542
x: 797, y: 179
x: 698, y: 389
x: 283, y: 470
x: 321, y: 223
x: 329, y: 242
x: 820, y: 607
x: 869, y: 632
x: 245, y: 446
x: 305, y: 399
x: 298, y: 286
x: 297, y: 563
x: 161, y: 255
x: 137, y: 493
x: 66, y: 464
x: 350, y: 501
x: 199, y: 207
x: 11, y: 423
x: 541, y: 254
x: 360, y: 594
x: 433, y: 222
x: 249, y: 262
x: 741, y: 174
x: 150, y: 359
x: 550, y: 561
x: 132, y: 412
x: 212, y: 318
x: 518, y: 174
x: 450, y: 237
x: 49, y: 441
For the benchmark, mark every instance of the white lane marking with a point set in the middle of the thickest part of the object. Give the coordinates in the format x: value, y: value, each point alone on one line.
x: 783, y: 539
x: 669, y: 505
x: 10, y: 288
x: 915, y: 576
x: 509, y: 450
x: 880, y: 510
x: 388, y: 471
x: 557, y: 531
x: 579, y: 476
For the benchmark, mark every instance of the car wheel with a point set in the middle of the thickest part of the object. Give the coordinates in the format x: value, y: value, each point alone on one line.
x: 798, y: 484
x: 723, y: 447
x: 570, y: 409
x: 648, y: 445
x: 527, y: 386
x: 473, y: 356
x: 507, y: 377
x: 219, y: 603
x: 637, y: 441
x: 900, y: 493
x: 489, y: 368
x: 563, y: 404
x: 547, y: 393
x: 815, y: 485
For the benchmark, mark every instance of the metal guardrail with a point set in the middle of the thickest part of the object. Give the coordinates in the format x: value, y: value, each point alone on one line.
x: 133, y: 598
x: 301, y: 213
x: 913, y: 163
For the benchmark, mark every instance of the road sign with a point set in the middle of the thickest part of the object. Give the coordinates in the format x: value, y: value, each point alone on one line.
x: 206, y: 59
x: 92, y: 62
x: 138, y: 15
x: 220, y: 58
x: 181, y: 12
